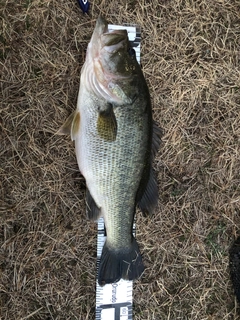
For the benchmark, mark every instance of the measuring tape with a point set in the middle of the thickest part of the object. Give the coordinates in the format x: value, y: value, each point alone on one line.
x: 114, y: 301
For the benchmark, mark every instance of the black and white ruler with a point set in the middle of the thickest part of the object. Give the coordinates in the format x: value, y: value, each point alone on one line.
x: 114, y: 301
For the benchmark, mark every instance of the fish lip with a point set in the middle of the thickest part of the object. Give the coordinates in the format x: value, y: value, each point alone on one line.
x: 113, y: 36
x: 95, y: 42
x: 113, y: 41
x: 106, y: 37
x: 101, y: 25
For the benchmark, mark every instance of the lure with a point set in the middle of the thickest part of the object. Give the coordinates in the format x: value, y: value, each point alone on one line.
x: 84, y: 5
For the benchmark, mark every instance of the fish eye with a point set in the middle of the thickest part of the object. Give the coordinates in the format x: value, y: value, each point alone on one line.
x: 132, y: 52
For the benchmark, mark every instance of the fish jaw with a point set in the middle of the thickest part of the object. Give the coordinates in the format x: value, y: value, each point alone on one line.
x: 95, y: 42
x: 103, y: 41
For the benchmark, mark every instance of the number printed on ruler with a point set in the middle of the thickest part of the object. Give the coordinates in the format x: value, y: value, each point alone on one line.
x: 124, y: 312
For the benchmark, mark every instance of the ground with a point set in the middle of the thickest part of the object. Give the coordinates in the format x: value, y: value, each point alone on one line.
x: 190, y: 58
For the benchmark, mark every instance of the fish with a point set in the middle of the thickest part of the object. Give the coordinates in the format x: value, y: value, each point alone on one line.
x: 116, y: 140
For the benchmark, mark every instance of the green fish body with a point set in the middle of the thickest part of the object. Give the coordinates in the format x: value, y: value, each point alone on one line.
x: 115, y: 140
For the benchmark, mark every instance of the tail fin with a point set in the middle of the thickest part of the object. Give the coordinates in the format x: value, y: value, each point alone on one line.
x: 116, y: 264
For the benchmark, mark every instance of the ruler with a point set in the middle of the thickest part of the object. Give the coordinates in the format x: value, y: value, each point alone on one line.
x: 114, y: 301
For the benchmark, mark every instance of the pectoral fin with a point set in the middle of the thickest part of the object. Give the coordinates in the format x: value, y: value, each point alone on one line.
x: 107, y: 124
x: 71, y: 125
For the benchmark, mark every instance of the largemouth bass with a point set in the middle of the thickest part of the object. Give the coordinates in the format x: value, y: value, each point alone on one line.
x: 115, y: 141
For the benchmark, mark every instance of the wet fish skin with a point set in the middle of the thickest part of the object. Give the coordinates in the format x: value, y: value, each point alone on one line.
x: 114, y: 134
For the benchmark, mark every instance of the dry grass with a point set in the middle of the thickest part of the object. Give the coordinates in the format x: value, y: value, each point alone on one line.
x: 190, y: 57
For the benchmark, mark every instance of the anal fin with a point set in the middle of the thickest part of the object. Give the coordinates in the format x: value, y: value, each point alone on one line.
x: 149, y: 198
x: 93, y: 212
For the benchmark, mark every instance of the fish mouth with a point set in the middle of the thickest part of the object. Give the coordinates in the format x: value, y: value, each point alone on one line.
x: 113, y: 41
x: 109, y: 41
x: 101, y: 26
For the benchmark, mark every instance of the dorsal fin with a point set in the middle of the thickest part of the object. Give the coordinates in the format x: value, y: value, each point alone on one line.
x: 148, y: 191
x: 149, y: 198
x: 156, y: 139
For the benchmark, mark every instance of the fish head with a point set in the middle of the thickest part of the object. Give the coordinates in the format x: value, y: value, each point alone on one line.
x: 113, y: 64
x: 115, y: 55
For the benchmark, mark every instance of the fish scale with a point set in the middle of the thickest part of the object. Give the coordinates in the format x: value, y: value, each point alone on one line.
x: 119, y: 164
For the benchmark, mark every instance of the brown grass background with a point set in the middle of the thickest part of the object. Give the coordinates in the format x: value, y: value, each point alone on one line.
x: 190, y: 58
